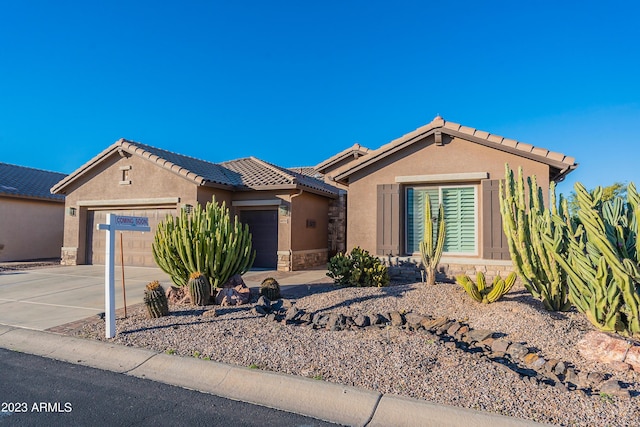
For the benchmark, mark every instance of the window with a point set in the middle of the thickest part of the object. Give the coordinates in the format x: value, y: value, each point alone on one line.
x: 459, y: 212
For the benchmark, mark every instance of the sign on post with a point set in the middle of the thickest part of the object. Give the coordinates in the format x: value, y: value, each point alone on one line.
x: 116, y: 223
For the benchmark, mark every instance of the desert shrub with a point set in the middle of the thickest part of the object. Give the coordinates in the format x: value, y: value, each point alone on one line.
x: 358, y: 268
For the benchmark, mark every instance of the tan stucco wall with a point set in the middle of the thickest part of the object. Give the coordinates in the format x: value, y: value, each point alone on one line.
x: 425, y: 158
x: 148, y: 182
x: 30, y: 229
x: 314, y: 208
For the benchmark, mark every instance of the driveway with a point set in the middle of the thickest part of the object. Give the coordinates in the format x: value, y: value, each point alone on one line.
x: 47, y: 297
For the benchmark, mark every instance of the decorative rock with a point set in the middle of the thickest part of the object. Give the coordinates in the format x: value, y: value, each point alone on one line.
x: 595, y: 378
x: 233, y: 292
x: 517, y: 351
x: 443, y: 329
x: 292, y: 314
x: 259, y: 310
x: 633, y: 357
x: 362, y: 321
x: 177, y: 295
x: 613, y: 388
x: 271, y: 317
x: 434, y: 324
x: 379, y: 319
x: 413, y: 320
x: 600, y: 347
x: 305, y: 318
x: 619, y: 366
x: 551, y: 363
x: 572, y: 377
x: 396, y: 318
x: 530, y: 358
x: 210, y: 313
x: 500, y: 346
x: 477, y: 335
x: 453, y: 328
x: 560, y: 368
x: 264, y: 302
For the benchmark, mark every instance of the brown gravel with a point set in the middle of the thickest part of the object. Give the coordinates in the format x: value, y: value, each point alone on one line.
x: 397, y: 361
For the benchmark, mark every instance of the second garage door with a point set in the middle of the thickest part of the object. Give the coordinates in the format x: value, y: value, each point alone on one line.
x: 263, y: 225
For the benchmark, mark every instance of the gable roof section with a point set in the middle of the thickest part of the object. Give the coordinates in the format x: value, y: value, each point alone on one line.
x: 560, y: 165
x: 257, y: 174
x: 241, y: 174
x: 355, y: 151
x: 24, y: 182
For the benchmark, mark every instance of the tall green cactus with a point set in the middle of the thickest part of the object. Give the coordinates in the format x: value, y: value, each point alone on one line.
x: 430, y: 252
x: 205, y: 240
x: 524, y: 227
x: 603, y: 260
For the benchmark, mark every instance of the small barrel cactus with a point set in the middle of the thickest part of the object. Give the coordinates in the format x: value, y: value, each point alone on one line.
x: 156, y: 300
x: 270, y: 288
x: 199, y: 289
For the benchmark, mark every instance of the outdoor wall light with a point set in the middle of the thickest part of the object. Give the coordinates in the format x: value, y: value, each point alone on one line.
x: 283, y: 210
x: 71, y: 211
x: 187, y: 208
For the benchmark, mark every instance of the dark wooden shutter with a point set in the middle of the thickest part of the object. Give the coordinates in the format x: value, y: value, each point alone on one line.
x: 388, y: 220
x: 494, y: 242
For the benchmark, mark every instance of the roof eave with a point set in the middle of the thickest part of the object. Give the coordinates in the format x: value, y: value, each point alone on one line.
x: 38, y: 198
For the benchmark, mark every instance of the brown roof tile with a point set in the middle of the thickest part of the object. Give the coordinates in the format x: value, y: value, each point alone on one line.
x: 355, y: 151
x: 563, y: 164
x: 241, y: 174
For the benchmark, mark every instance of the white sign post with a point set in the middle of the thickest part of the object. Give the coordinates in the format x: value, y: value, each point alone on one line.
x: 122, y: 223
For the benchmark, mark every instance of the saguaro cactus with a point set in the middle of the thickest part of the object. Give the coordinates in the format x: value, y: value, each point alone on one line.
x: 205, y: 240
x: 603, y: 260
x: 431, y: 251
x: 524, y: 227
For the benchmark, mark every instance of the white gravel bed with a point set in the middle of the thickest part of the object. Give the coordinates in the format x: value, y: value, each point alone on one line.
x: 397, y: 361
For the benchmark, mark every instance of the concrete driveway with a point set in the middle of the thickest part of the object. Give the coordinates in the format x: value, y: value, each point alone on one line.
x: 47, y: 297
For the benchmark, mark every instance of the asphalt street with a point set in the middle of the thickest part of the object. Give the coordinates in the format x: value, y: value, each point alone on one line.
x: 36, y: 391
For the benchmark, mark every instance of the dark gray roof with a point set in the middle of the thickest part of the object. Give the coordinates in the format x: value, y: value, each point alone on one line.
x: 21, y: 181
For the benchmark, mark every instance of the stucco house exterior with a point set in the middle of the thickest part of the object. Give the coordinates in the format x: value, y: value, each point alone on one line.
x: 287, y: 211
x: 31, y: 218
x: 456, y: 165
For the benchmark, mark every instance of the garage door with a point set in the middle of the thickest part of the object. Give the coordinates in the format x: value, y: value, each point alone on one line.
x: 263, y: 225
x: 137, y: 245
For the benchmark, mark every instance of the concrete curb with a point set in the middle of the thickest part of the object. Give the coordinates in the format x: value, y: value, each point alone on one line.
x: 318, y: 399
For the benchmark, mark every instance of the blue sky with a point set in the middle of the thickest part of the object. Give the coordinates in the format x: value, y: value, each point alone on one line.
x: 294, y: 82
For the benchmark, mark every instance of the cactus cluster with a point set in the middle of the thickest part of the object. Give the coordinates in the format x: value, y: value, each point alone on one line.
x: 358, y: 268
x: 155, y: 300
x: 480, y: 292
x: 270, y: 288
x: 205, y: 240
x: 603, y: 259
x: 199, y: 289
x: 524, y: 227
x: 430, y: 250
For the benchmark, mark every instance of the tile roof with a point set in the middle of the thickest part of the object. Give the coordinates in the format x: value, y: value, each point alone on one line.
x: 258, y: 174
x: 21, y: 181
x: 355, y: 151
x: 561, y: 163
x: 242, y: 174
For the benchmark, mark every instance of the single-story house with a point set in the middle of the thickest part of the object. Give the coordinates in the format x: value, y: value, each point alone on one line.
x: 287, y: 211
x: 458, y: 166
x: 31, y: 218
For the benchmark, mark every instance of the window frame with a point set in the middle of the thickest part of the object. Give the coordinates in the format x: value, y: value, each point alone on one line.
x: 427, y: 186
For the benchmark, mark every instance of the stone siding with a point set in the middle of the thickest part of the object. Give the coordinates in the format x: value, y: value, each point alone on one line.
x: 69, y: 256
x: 338, y: 225
x: 409, y: 269
x: 302, y: 260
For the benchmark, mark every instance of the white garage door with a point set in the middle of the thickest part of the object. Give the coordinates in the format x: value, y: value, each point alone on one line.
x: 137, y: 245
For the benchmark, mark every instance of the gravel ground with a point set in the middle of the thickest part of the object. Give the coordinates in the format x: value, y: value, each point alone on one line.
x: 397, y: 361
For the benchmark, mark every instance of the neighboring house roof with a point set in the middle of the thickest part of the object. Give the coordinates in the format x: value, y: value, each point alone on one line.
x: 355, y: 151
x: 307, y: 171
x: 560, y: 165
x: 242, y: 174
x: 21, y: 181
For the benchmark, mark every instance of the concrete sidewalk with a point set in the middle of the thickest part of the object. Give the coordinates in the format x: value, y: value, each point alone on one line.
x: 32, y: 301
